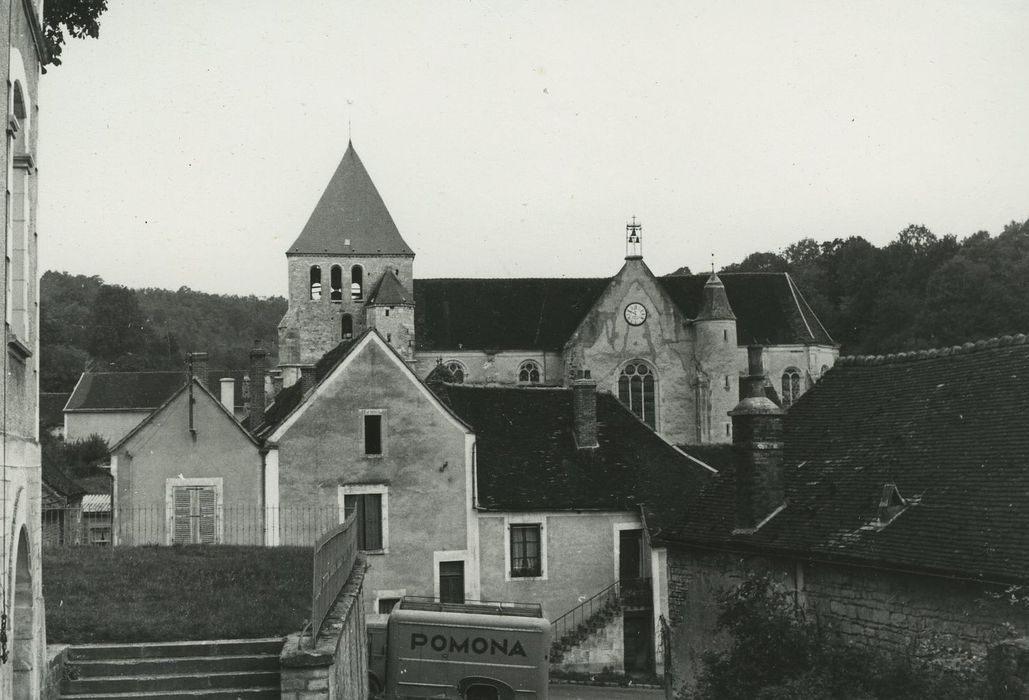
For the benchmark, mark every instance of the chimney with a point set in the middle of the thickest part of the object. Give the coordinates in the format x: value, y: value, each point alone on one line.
x: 584, y: 409
x: 757, y: 430
x: 228, y: 394
x: 306, y: 379
x: 198, y: 366
x: 257, y: 397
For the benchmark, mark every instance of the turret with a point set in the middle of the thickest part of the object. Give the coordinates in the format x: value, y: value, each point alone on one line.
x: 715, y: 350
x: 390, y: 311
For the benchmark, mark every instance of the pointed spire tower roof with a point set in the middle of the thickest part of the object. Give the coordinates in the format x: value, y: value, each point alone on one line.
x: 350, y: 218
x: 715, y: 306
x: 390, y: 292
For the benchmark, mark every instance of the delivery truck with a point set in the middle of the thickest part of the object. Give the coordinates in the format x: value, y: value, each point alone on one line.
x: 466, y: 651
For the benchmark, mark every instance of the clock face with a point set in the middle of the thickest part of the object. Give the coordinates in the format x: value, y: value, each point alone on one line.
x: 635, y: 314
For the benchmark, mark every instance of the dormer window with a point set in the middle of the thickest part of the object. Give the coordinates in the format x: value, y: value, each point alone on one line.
x: 891, y: 504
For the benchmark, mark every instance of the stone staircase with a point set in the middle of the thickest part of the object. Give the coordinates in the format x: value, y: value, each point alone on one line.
x: 218, y: 670
x: 590, y: 626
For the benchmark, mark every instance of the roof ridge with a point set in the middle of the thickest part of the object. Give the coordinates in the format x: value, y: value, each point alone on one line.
x: 480, y: 387
x: 504, y: 279
x: 1001, y: 341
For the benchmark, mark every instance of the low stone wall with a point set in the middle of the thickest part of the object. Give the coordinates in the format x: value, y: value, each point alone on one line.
x: 56, y: 654
x: 603, y: 650
x: 1007, y: 670
x: 336, y: 667
x: 865, y: 607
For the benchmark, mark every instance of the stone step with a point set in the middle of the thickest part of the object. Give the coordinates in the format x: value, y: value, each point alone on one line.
x: 161, y: 650
x: 171, y: 665
x: 167, y: 681
x: 206, y: 694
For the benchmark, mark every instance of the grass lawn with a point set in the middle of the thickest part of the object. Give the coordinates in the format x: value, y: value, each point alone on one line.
x: 156, y: 594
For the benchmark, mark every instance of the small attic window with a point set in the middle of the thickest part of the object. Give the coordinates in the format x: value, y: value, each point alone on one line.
x: 891, y: 504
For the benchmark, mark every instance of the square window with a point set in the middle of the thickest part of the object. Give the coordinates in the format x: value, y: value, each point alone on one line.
x: 368, y: 507
x: 386, y: 605
x: 526, y: 550
x: 373, y: 434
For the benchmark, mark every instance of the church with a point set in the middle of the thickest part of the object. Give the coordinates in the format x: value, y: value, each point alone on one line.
x: 671, y: 349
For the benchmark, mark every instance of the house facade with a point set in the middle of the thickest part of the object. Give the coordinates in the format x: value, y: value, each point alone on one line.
x: 655, y: 343
x: 890, y: 503
x: 190, y: 473
x: 22, y: 56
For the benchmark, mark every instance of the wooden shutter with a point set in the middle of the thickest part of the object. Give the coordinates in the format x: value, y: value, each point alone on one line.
x: 372, y: 520
x: 208, y: 520
x: 180, y: 516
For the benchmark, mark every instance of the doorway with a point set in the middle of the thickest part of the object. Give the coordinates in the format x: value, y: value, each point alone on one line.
x: 451, y: 582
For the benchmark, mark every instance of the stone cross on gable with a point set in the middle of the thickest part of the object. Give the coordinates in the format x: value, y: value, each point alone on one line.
x: 634, y: 239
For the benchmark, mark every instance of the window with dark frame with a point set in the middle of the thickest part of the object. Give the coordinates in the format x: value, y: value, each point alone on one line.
x: 368, y: 507
x: 526, y: 550
x: 451, y: 582
x: 373, y: 434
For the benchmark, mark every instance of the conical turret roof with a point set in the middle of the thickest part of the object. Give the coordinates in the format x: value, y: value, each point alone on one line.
x: 715, y: 306
x: 350, y: 218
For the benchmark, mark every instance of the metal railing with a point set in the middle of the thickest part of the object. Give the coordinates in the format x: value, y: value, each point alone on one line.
x: 334, y: 556
x: 150, y: 524
x: 631, y: 592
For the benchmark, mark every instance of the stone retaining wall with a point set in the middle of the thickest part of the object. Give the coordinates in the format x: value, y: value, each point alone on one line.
x: 336, y: 668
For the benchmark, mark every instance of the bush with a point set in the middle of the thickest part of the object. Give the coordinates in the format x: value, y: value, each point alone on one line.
x: 777, y: 653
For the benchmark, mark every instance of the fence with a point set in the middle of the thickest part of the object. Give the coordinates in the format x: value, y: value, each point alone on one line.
x: 334, y: 556
x: 242, y: 524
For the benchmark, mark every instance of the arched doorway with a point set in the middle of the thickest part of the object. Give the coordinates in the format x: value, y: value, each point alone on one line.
x: 23, y: 624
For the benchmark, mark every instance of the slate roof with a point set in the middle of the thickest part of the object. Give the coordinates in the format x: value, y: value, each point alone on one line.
x: 51, y: 409
x: 350, y: 218
x: 542, y: 314
x: 140, y: 391
x: 389, y: 291
x: 947, y: 427
x: 527, y: 460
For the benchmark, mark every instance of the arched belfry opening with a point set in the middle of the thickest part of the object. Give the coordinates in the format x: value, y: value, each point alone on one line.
x: 316, y: 283
x: 23, y: 623
x: 336, y: 283
x: 356, y: 282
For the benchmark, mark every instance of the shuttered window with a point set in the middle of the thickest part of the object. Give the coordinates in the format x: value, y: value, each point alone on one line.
x: 195, y: 516
x: 368, y: 507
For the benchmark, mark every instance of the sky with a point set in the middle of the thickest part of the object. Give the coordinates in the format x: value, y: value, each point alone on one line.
x: 188, y: 144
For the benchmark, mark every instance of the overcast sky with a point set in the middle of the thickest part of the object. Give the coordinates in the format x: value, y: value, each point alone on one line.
x: 189, y: 143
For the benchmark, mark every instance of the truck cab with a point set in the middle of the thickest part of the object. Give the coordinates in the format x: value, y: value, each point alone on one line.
x: 466, y: 651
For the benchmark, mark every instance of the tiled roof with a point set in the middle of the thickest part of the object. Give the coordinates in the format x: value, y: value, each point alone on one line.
x: 140, y: 391
x: 291, y: 397
x: 526, y: 457
x: 390, y: 291
x: 531, y: 314
x: 350, y: 218
x: 947, y: 427
x: 51, y: 409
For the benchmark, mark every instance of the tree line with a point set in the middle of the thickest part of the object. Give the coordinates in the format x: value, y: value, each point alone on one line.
x: 88, y: 324
x: 918, y: 291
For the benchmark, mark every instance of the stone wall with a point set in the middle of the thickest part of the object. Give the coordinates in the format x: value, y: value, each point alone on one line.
x: 885, y: 610
x: 336, y: 668
x: 603, y: 650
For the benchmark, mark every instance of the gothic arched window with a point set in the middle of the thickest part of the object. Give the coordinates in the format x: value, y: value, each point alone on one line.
x: 347, y: 327
x: 529, y: 372
x: 316, y: 283
x: 356, y: 282
x: 637, y: 388
x: 336, y: 283
x: 790, y: 386
x: 457, y: 370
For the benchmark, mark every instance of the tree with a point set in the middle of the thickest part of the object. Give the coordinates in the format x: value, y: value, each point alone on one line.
x: 118, y: 330
x: 74, y: 18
